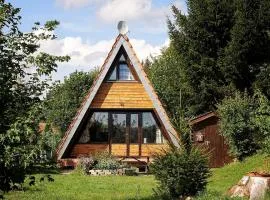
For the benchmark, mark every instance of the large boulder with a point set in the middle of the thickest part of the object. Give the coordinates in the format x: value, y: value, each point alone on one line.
x: 253, y: 186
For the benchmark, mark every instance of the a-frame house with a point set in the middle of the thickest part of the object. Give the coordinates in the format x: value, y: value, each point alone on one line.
x: 121, y: 113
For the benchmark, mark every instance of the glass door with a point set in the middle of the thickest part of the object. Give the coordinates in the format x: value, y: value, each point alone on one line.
x: 134, y: 136
x: 119, y: 134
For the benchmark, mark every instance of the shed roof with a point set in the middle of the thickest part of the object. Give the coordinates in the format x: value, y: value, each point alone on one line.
x: 202, y: 117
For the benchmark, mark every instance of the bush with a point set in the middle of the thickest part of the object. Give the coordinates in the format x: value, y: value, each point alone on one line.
x: 245, y: 123
x: 261, y: 121
x: 85, y: 164
x: 180, y: 173
x: 236, y: 124
x: 106, y: 161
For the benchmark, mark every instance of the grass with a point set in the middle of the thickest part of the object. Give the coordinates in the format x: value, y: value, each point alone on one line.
x: 76, y: 186
x: 225, y: 177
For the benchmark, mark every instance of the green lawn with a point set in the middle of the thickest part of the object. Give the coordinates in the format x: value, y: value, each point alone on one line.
x: 225, y: 177
x: 75, y: 186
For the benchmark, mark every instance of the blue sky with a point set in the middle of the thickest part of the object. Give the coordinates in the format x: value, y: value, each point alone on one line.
x: 88, y: 27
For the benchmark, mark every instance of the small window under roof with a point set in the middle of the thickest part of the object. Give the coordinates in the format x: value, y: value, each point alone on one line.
x: 122, y: 58
x: 121, y: 71
x: 113, y: 75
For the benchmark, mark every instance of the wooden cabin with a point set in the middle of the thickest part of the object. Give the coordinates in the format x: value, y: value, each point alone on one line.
x: 205, y: 134
x: 121, y: 113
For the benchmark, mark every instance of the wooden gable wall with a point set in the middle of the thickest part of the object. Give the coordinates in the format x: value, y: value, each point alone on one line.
x: 122, y: 95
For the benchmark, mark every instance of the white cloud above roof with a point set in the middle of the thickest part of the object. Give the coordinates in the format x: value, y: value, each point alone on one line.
x: 68, y: 4
x: 124, y: 10
x: 86, y: 56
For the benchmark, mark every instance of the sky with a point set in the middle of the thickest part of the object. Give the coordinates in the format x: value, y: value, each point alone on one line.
x: 88, y: 28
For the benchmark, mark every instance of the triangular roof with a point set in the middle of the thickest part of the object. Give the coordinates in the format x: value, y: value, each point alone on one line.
x: 121, y: 40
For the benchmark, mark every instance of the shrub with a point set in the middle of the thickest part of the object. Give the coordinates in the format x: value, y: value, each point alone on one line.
x: 245, y: 123
x: 236, y: 124
x: 261, y: 121
x: 180, y: 173
x: 85, y: 164
x: 106, y: 161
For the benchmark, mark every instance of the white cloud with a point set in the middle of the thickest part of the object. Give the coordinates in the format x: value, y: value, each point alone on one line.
x: 150, y: 17
x: 147, y: 15
x: 124, y: 10
x: 85, y: 56
x: 68, y: 4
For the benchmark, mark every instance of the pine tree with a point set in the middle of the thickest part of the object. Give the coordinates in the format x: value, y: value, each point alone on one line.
x: 200, y: 37
x: 247, y: 57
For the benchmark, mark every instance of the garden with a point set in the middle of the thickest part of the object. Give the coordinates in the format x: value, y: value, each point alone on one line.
x: 78, y: 186
x: 217, y: 60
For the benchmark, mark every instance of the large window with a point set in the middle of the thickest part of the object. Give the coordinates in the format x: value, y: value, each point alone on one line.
x: 134, y: 124
x: 118, y: 128
x: 151, y: 131
x: 96, y: 130
x: 121, y: 127
x: 121, y: 71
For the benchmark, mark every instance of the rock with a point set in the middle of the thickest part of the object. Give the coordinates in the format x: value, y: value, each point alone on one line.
x: 253, y: 187
x: 259, y: 187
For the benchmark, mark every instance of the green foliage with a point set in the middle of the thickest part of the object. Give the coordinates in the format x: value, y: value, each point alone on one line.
x: 224, y: 47
x: 236, y: 124
x: 245, y: 123
x: 180, y: 173
x: 106, y: 161
x: 22, y: 147
x: 63, y: 99
x: 246, y: 57
x: 261, y: 121
x: 199, y: 38
x: 168, y: 78
x: 85, y: 164
x: 23, y: 77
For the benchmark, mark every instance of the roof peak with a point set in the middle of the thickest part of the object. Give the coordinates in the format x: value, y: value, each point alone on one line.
x: 122, y: 27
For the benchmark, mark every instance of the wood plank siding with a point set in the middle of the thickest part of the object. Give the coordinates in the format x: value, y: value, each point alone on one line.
x: 206, y: 135
x: 117, y: 149
x: 87, y: 149
x: 122, y: 95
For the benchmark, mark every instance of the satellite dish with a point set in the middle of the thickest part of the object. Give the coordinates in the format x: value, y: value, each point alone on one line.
x: 122, y: 27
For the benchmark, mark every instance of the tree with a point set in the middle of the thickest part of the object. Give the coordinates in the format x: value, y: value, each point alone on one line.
x: 64, y: 99
x: 22, y: 66
x: 200, y: 37
x: 247, y: 54
x: 169, y: 80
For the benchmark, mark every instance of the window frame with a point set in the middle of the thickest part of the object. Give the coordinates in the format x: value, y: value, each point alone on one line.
x: 128, y: 127
x: 116, y: 65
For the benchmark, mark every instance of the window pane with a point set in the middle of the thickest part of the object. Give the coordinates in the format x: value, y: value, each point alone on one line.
x: 151, y: 131
x: 122, y: 58
x: 119, y: 128
x: 124, y: 72
x: 133, y: 128
x: 113, y: 75
x: 96, y: 130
